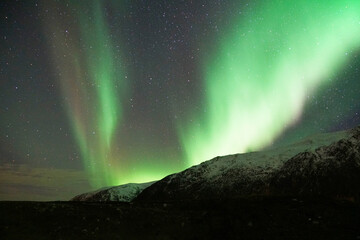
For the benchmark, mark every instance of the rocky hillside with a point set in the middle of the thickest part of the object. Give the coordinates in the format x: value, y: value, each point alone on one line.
x: 122, y: 193
x: 327, y: 164
x: 332, y: 170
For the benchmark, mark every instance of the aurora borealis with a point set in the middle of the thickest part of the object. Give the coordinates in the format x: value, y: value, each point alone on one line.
x: 130, y: 91
x: 91, y: 87
x: 257, y: 80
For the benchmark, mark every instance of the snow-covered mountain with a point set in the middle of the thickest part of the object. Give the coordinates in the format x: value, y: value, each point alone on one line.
x: 123, y: 193
x: 325, y: 164
x: 332, y: 170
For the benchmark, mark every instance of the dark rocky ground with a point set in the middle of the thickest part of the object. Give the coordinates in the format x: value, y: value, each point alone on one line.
x: 261, y: 218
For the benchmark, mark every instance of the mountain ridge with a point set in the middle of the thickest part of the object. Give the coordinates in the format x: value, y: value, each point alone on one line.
x: 305, y: 168
x: 122, y: 193
x: 264, y: 173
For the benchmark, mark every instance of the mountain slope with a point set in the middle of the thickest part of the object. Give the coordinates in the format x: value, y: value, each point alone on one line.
x: 123, y: 193
x: 332, y: 170
x: 297, y: 169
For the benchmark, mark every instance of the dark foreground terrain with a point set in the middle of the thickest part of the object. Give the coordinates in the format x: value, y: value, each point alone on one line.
x: 266, y: 218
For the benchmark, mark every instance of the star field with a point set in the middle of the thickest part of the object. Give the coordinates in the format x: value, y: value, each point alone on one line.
x: 110, y: 92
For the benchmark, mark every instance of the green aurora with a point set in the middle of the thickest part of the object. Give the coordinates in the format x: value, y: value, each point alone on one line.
x: 94, y: 85
x: 92, y: 88
x: 269, y: 61
x: 256, y: 83
x: 97, y: 150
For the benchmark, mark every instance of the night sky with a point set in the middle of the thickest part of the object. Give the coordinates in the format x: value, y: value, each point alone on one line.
x: 99, y: 93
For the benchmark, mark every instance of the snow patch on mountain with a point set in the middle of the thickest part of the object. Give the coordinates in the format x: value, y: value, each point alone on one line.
x: 235, y: 175
x: 123, y: 193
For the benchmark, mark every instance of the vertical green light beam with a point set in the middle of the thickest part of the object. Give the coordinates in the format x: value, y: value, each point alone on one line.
x: 92, y: 84
x: 107, y: 108
x: 101, y: 66
x: 267, y: 64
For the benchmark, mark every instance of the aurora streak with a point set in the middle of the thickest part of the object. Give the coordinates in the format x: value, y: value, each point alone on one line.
x: 92, y: 90
x: 106, y: 92
x: 257, y: 80
x: 255, y: 83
